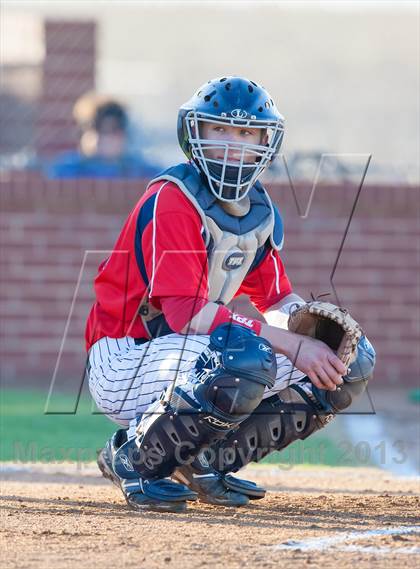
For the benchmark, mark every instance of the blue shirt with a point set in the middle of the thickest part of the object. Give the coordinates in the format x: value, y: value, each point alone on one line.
x: 75, y: 165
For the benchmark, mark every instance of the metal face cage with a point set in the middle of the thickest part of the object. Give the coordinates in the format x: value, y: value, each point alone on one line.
x: 230, y: 180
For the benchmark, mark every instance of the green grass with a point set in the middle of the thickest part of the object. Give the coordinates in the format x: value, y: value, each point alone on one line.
x: 28, y: 434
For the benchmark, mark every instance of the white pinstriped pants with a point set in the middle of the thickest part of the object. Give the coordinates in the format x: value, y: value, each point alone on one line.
x: 125, y: 378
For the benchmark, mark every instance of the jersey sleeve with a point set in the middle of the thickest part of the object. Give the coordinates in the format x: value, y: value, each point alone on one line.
x: 173, y: 247
x: 268, y: 283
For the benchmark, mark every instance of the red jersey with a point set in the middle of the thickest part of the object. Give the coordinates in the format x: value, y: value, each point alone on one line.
x: 161, y: 252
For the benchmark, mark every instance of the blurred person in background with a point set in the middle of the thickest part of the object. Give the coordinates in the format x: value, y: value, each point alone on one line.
x: 104, y: 147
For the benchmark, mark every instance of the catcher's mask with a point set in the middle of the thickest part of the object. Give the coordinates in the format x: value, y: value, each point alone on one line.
x: 237, y: 102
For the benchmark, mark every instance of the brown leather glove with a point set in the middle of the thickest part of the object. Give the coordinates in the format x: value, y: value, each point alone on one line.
x: 330, y: 324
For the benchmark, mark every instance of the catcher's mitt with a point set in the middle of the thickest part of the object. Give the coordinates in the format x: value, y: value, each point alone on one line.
x: 329, y: 323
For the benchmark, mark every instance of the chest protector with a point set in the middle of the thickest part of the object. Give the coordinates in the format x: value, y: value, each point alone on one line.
x: 236, y: 235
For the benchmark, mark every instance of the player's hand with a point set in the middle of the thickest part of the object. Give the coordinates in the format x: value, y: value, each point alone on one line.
x: 317, y: 361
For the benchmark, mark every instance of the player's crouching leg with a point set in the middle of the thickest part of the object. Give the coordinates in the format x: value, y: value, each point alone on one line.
x: 294, y: 413
x: 225, y: 386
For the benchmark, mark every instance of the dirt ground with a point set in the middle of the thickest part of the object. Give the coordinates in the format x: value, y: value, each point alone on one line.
x: 62, y: 516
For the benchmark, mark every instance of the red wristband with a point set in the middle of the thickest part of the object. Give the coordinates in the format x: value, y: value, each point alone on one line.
x: 224, y: 315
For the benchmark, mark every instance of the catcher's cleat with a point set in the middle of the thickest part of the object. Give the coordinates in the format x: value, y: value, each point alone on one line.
x: 140, y: 494
x: 247, y: 487
x: 104, y: 461
x: 215, y: 488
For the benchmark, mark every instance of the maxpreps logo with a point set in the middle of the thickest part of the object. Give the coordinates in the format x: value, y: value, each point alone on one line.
x: 234, y: 261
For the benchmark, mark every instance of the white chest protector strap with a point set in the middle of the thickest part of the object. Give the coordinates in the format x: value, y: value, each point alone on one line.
x: 232, y: 238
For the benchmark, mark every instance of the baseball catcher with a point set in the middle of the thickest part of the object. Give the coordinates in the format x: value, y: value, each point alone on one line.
x: 198, y: 390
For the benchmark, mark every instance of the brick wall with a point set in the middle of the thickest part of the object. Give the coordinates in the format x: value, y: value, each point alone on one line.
x: 68, y: 73
x: 46, y: 227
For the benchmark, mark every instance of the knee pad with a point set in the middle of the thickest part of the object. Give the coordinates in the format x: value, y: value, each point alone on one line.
x: 232, y: 373
x: 226, y: 384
